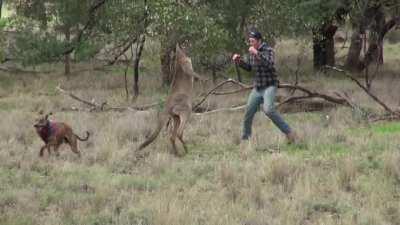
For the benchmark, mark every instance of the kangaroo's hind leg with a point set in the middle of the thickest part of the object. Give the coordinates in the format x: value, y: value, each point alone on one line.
x: 173, y: 136
x: 183, y: 120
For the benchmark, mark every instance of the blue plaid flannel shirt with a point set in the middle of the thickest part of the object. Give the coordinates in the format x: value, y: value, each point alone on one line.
x: 263, y: 66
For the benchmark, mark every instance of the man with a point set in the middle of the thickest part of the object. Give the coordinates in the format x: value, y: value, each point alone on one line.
x: 261, y: 62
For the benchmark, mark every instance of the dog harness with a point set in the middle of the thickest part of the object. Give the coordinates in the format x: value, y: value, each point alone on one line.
x: 47, y: 131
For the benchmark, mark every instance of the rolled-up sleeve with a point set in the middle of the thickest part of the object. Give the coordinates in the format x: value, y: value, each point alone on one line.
x: 245, y: 65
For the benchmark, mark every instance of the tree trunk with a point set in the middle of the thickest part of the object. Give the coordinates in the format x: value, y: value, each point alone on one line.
x: 139, y: 50
x: 324, y: 46
x: 375, y: 49
x: 214, y: 74
x: 1, y: 7
x: 353, y: 55
x: 166, y: 61
x: 330, y: 45
x: 318, y: 51
x: 370, y: 13
x: 67, y: 57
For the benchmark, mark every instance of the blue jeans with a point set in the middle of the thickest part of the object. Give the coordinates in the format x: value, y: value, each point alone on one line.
x: 265, y: 97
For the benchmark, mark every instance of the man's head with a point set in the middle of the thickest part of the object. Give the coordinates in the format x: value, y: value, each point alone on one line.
x: 255, y: 39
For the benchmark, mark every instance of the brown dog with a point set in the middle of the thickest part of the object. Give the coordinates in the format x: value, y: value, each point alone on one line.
x: 54, y: 134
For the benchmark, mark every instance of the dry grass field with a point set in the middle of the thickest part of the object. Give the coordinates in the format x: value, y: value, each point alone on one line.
x: 344, y: 170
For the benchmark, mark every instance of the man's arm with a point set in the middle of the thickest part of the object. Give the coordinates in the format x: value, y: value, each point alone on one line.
x: 238, y: 61
x: 244, y: 65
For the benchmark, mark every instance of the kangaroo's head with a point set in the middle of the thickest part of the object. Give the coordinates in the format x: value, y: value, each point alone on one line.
x: 182, y: 60
x: 42, y: 121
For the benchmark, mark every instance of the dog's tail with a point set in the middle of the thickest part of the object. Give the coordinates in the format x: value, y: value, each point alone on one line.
x: 162, y: 120
x: 83, y: 139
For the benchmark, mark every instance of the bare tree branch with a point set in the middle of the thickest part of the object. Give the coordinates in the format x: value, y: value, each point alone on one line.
x: 244, y: 87
x: 103, y: 107
x: 315, y: 94
x: 86, y: 102
x: 292, y: 99
x: 88, y: 25
x: 127, y: 44
x: 365, y: 89
x: 218, y: 86
x: 237, y: 108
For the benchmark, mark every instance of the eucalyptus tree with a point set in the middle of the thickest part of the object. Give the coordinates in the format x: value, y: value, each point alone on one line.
x: 232, y: 19
x: 295, y: 18
x: 1, y: 7
x: 174, y: 22
x: 371, y: 19
x: 278, y: 18
x: 2, y: 41
x: 50, y: 30
x: 122, y: 25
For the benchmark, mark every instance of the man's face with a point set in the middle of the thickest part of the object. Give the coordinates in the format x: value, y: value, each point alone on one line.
x: 254, y: 42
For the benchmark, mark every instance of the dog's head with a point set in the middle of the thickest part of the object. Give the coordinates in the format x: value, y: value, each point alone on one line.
x: 42, y: 121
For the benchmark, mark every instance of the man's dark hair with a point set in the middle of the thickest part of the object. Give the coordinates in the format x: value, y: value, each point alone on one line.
x: 255, y: 34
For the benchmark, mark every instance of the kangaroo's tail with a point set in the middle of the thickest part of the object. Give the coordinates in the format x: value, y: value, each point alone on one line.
x: 162, y: 120
x: 83, y: 139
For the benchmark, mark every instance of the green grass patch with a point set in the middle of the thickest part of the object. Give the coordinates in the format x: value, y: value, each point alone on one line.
x: 378, y: 128
x: 371, y: 162
x: 326, y: 206
x: 50, y: 196
x: 391, y: 50
x: 386, y: 128
x: 8, y: 198
x: 205, y: 150
x: 323, y: 150
x: 136, y: 182
x: 7, y: 82
x: 18, y: 219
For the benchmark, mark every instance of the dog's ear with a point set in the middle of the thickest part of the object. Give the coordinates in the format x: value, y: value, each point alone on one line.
x: 47, y: 115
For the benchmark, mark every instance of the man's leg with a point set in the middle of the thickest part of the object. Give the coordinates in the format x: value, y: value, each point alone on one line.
x: 269, y: 110
x: 253, y: 102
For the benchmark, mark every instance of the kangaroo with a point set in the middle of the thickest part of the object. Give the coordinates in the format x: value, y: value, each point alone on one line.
x: 178, y: 106
x: 54, y: 134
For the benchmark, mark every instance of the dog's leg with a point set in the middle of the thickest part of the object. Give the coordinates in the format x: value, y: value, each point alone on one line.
x: 73, y: 143
x: 51, y: 143
x: 55, y: 147
x: 49, y: 149
x: 42, y: 150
